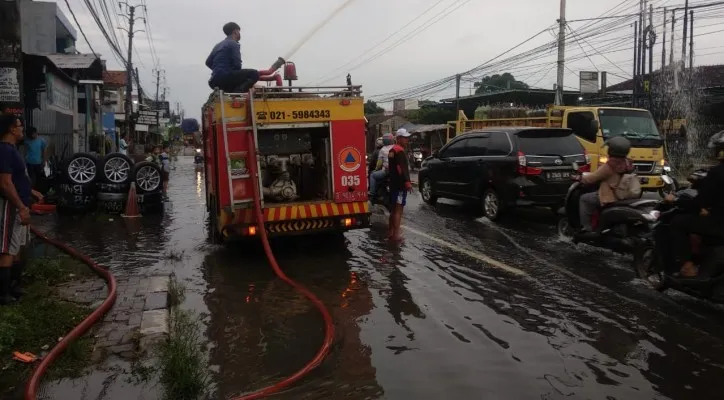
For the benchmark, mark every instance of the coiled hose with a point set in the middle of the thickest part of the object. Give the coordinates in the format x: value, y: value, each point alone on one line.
x: 328, y: 323
x: 31, y: 388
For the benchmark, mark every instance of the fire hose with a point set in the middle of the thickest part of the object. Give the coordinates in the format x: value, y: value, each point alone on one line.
x: 328, y: 323
x: 31, y: 388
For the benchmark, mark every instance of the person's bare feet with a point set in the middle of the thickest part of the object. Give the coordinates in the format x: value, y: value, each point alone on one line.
x: 397, y: 238
x: 689, y: 270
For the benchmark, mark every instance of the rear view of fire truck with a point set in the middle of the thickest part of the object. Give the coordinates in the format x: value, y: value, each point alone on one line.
x: 309, y: 144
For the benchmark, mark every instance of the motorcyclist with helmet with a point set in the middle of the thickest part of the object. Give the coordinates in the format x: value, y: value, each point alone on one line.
x: 709, y: 221
x: 372, y: 165
x: 608, y: 176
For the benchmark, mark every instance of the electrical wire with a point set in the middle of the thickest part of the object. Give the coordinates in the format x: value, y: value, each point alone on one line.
x: 80, y: 28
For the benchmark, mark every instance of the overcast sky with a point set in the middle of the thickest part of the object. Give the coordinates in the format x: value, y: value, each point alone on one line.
x: 184, y: 31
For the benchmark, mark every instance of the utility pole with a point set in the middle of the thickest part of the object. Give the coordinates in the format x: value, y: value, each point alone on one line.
x: 636, y: 63
x: 686, y: 28
x: 457, y: 96
x: 129, y: 64
x: 651, y: 41
x: 642, y: 32
x: 561, y: 54
x: 663, y: 46
x: 158, y: 83
x: 673, y: 31
x: 691, y: 42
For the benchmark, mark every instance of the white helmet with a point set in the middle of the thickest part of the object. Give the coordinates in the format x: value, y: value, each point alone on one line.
x: 378, y: 142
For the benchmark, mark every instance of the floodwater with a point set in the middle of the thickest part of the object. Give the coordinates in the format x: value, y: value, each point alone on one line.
x: 463, y: 309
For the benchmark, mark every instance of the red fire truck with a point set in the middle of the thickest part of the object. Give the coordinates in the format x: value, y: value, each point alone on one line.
x: 310, y: 153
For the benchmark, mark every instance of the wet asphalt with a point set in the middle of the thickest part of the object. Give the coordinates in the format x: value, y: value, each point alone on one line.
x: 463, y: 309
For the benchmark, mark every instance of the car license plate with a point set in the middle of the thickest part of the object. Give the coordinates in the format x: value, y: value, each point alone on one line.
x: 557, y: 176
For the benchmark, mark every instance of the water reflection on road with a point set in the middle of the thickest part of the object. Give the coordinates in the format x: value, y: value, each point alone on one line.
x: 421, y: 320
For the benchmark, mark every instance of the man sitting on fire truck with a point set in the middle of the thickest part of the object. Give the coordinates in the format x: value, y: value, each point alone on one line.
x: 225, y: 64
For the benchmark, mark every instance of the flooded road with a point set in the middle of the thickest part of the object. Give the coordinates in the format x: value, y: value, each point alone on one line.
x: 463, y: 309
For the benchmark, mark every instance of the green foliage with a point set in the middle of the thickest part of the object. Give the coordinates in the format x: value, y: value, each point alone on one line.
x: 372, y: 108
x: 497, y: 83
x: 431, y: 113
x: 183, y: 369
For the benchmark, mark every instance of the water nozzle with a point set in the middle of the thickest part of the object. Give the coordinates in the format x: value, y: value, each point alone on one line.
x: 277, y: 64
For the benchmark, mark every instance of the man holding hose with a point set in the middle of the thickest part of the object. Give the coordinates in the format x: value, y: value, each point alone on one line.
x: 15, y: 196
x: 225, y: 64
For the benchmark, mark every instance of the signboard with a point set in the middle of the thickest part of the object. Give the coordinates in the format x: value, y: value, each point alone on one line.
x: 60, y: 94
x: 146, y: 118
x: 9, y: 85
x: 109, y: 125
x: 589, y: 81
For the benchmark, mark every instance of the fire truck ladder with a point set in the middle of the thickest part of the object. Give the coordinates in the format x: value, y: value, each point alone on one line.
x: 244, y: 171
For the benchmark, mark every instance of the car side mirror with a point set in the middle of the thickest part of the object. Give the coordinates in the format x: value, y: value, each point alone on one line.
x: 575, y: 166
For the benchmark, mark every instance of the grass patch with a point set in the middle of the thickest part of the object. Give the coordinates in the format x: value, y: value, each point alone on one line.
x: 184, y: 373
x: 175, y: 255
x: 176, y: 292
x: 37, y: 321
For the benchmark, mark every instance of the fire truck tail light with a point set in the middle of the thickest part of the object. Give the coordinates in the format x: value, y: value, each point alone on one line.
x: 345, y: 102
x: 252, y: 230
x: 347, y: 222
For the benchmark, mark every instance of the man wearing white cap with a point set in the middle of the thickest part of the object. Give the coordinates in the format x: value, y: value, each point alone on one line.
x: 400, y: 184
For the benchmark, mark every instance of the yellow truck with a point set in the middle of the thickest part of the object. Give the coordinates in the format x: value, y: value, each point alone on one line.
x: 593, y: 126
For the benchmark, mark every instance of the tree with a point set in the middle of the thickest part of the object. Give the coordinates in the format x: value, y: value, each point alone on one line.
x: 372, y: 108
x: 497, y: 82
x: 432, y: 113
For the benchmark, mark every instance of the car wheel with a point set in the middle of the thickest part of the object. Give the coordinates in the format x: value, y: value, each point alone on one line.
x: 147, y: 176
x: 116, y: 169
x: 492, y: 206
x: 82, y: 168
x: 427, y: 193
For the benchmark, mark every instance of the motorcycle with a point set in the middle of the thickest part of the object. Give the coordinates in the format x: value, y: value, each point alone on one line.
x: 622, y: 226
x: 198, y: 159
x: 671, y: 185
x: 416, y: 159
x: 658, y: 266
x: 383, y: 195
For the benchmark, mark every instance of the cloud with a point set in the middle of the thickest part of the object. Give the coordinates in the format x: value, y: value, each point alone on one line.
x: 185, y: 31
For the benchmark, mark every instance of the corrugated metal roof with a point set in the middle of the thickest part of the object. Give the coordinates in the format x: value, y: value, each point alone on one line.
x: 73, y: 61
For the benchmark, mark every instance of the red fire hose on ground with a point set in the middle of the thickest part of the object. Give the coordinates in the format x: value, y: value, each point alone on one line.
x: 31, y: 388
x: 328, y: 323
x: 33, y: 383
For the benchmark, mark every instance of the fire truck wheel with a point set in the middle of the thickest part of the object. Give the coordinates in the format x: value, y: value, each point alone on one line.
x: 147, y: 176
x: 116, y: 168
x: 81, y: 168
x: 113, y: 187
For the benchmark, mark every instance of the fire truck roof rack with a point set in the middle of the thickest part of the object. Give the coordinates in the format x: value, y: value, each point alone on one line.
x: 308, y: 91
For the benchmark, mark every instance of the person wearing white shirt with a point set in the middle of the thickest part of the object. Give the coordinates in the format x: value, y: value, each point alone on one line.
x: 123, y: 145
x: 382, y: 164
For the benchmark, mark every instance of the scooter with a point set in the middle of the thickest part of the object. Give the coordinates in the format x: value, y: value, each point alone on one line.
x: 671, y: 185
x: 383, y: 194
x: 622, y: 226
x: 416, y: 159
x: 198, y: 159
x: 657, y: 265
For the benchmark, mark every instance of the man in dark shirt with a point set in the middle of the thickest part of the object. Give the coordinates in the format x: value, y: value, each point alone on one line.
x: 225, y: 64
x: 710, y: 220
x: 400, y: 183
x: 15, y: 196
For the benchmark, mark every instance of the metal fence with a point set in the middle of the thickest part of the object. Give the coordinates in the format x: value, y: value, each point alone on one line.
x: 57, y: 130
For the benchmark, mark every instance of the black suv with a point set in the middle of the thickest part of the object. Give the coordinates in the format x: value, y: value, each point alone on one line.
x: 504, y: 167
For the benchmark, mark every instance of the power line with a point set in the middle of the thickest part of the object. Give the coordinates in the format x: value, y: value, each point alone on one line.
x: 80, y: 28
